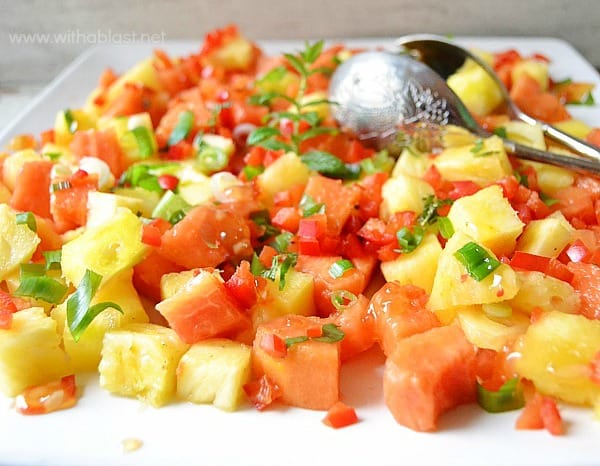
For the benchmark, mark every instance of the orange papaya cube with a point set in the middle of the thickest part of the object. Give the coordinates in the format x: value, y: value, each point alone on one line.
x: 429, y: 374
x: 307, y: 372
x: 203, y: 309
x: 400, y: 311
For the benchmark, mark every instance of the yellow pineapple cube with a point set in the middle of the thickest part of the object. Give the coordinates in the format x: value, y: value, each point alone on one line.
x: 141, y: 73
x: 574, y: 127
x: 172, y: 283
x: 102, y: 207
x: 535, y: 69
x: 412, y: 163
x: 455, y: 136
x: 194, y: 186
x: 214, y: 371
x: 526, y: 134
x: 556, y: 352
x: 546, y: 237
x: 285, y: 172
x: 402, y: 193
x: 149, y: 198
x: 140, y: 360
x: 17, y: 242
x: 237, y: 54
x: 482, y: 162
x: 453, y: 287
x: 69, y: 121
x: 30, y: 352
x: 488, y: 217
x: 13, y: 164
x: 296, y: 297
x: 545, y: 292
x: 106, y: 249
x: 476, y: 89
x: 551, y: 178
x: 485, y: 332
x: 85, y: 353
x: 418, y: 267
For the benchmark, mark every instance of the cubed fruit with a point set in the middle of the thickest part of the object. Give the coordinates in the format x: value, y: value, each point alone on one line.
x: 538, y: 290
x: 13, y: 164
x: 486, y: 332
x: 429, y: 374
x: 526, y: 134
x: 412, y: 163
x: 30, y: 352
x: 453, y: 286
x: 476, y: 89
x: 140, y: 360
x: 404, y: 193
x: 308, y: 372
x: 202, y: 309
x: 423, y: 259
x: 546, y: 237
x: 456, y: 136
x: 574, y: 127
x: 236, y: 54
x: 85, y: 353
x: 321, y: 108
x: 535, y: 69
x: 482, y: 162
x: 214, y: 371
x: 143, y: 73
x: 488, y: 217
x: 551, y: 178
x: 102, y: 207
x: 281, y: 175
x: 17, y: 241
x: 296, y: 297
x: 172, y: 283
x: 106, y: 249
x: 67, y: 122
x: 149, y: 198
x: 194, y: 186
x: 555, y: 354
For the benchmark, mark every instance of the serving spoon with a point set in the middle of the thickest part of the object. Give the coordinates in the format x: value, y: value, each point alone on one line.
x: 446, y: 57
x: 379, y: 95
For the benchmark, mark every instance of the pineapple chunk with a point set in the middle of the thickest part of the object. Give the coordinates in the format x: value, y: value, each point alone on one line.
x: 452, y: 286
x: 403, y: 193
x: 149, y: 199
x: 140, y: 360
x: 237, y: 54
x: 488, y: 217
x: 483, y: 162
x: 142, y: 73
x: 296, y: 297
x: 412, y: 163
x: 546, y: 237
x: 423, y: 260
x: 13, y: 164
x: 574, y: 127
x: 214, y: 371
x: 173, y: 283
x: 550, y: 178
x: 85, y: 353
x: 321, y: 108
x: 485, y: 332
x: 30, y: 352
x: 69, y: 121
x: 106, y: 249
x: 556, y: 352
x: 476, y: 89
x: 547, y: 293
x: 455, y: 136
x: 17, y: 242
x: 285, y: 172
x: 194, y: 186
x: 102, y: 207
x: 526, y: 134
x: 535, y: 69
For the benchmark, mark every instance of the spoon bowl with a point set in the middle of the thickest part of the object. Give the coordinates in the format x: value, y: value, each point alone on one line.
x: 380, y: 95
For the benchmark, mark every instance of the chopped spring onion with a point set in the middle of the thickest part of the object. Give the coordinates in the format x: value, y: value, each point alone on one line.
x: 42, y: 287
x: 294, y: 340
x: 27, y: 218
x: 497, y: 310
x: 70, y: 121
x: 79, y: 312
x: 477, y: 261
x: 409, y: 240
x: 60, y: 186
x: 311, y: 207
x: 280, y: 266
x: 507, y: 398
x: 501, y: 132
x: 53, y: 259
x: 252, y: 171
x: 342, y: 299
x: 177, y: 217
x: 445, y: 227
x: 331, y: 334
x: 144, y: 141
x: 380, y: 162
x: 282, y: 241
x: 212, y: 159
x: 170, y: 206
x: 182, y: 128
x: 263, y: 219
x: 340, y: 267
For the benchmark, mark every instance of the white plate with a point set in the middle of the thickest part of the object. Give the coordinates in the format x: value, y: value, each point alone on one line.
x: 92, y: 433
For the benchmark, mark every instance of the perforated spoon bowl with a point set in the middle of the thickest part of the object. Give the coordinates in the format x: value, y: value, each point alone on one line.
x: 379, y: 93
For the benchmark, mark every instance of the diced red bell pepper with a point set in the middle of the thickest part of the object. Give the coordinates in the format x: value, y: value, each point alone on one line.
x: 340, y: 415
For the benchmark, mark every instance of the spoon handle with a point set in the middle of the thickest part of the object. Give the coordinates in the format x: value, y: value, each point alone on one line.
x: 566, y: 161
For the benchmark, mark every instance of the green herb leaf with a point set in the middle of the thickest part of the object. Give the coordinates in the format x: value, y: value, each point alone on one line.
x: 70, y: 120
x: 296, y: 63
x: 477, y: 261
x: 314, y: 132
x: 256, y: 266
x: 274, y: 75
x: 549, y: 201
x: 282, y: 241
x: 501, y: 132
x: 340, y: 267
x: 329, y: 165
x: 263, y: 219
x: 252, y: 171
x: 309, y: 206
x: 312, y: 51
x: 183, y: 127
x: 27, y: 218
x: 274, y: 144
x: 263, y: 99
x: 331, y: 334
x: 478, y: 146
x: 79, y: 313
x: 409, y: 240
x: 295, y: 340
x: 431, y: 205
x: 262, y: 134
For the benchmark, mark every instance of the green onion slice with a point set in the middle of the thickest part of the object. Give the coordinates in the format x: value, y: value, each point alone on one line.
x: 27, y: 218
x: 282, y: 241
x: 42, y: 287
x: 252, y: 171
x: 445, y: 227
x: 409, y: 240
x: 79, y: 312
x: 477, y: 261
x: 342, y: 299
x: 509, y: 397
x: 60, y: 186
x: 70, y: 121
x: 183, y: 127
x: 339, y: 268
x: 212, y: 159
x: 331, y: 334
x: 144, y: 141
x: 295, y: 340
x: 53, y: 259
x: 311, y: 207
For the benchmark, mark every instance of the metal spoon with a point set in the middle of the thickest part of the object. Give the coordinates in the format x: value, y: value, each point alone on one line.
x: 379, y: 93
x: 445, y: 58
